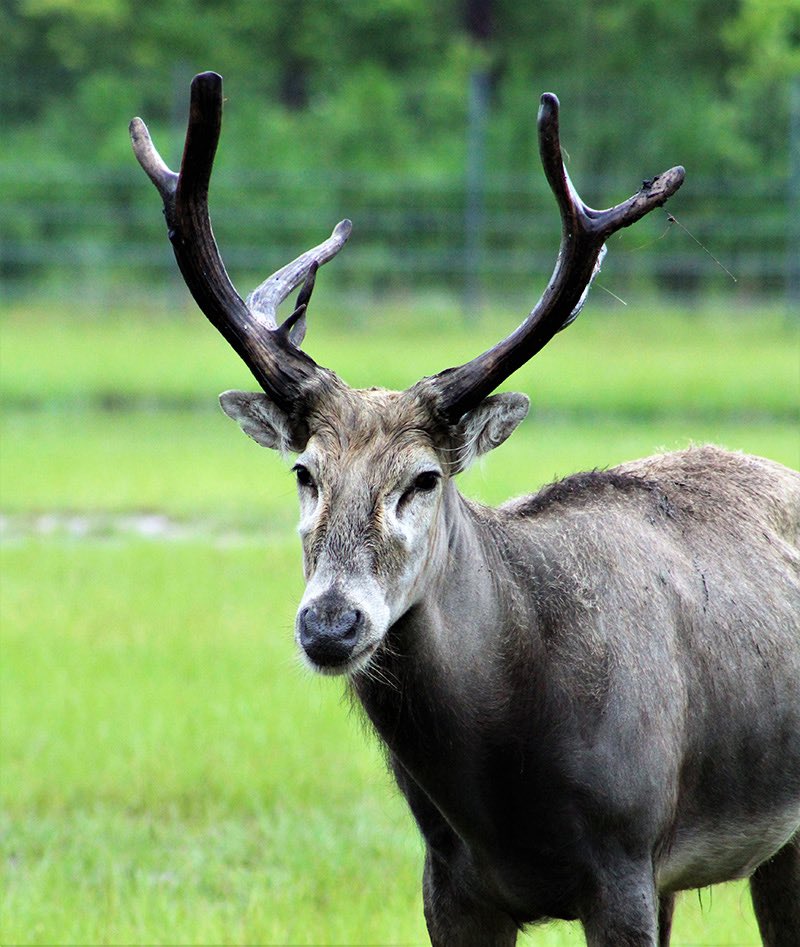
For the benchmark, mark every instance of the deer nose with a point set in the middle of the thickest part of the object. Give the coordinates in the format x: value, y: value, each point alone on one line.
x: 329, y: 631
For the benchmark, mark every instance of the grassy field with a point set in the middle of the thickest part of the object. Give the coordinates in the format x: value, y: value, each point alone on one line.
x: 169, y: 774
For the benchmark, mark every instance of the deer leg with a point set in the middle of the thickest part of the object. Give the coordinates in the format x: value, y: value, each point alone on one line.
x: 775, y: 889
x: 455, y: 917
x: 666, y: 905
x: 623, y: 911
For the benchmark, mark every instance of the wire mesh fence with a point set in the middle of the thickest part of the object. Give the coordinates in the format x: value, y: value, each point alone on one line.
x: 99, y: 232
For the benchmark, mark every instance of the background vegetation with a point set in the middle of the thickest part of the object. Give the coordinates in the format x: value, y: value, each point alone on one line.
x: 415, y: 119
x: 335, y: 75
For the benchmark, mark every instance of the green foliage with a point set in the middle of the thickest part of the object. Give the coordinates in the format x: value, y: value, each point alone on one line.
x: 765, y: 34
x: 765, y: 39
x: 336, y: 107
x: 380, y: 69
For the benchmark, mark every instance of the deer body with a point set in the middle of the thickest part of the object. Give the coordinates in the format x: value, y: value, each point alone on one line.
x: 590, y: 696
x: 576, y: 702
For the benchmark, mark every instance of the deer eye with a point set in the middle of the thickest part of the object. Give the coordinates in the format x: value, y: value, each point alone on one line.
x: 304, y: 478
x: 424, y: 482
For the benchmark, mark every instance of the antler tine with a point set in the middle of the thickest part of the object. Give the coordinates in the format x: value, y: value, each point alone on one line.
x: 151, y: 161
x: 265, y: 299
x: 584, y: 233
x: 284, y: 372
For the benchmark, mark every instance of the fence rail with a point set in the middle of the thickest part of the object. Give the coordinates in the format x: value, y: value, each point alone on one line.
x: 100, y: 229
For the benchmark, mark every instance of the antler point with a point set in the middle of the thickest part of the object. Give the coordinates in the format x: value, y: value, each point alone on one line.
x: 210, y: 79
x: 343, y: 229
x: 548, y: 107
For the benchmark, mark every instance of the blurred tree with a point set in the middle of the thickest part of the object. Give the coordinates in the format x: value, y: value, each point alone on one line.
x: 382, y: 89
x: 688, y: 74
x: 763, y: 40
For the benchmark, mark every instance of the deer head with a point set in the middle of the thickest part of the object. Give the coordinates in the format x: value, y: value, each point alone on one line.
x: 374, y: 468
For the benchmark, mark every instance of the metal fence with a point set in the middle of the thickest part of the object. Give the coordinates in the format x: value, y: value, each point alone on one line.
x: 101, y: 233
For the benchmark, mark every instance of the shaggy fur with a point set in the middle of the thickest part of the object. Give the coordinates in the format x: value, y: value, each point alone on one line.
x: 590, y: 696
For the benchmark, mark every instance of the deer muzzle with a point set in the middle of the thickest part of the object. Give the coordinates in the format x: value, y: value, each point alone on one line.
x: 330, y: 631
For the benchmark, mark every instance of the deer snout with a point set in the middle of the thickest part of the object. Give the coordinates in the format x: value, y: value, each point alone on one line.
x: 329, y: 631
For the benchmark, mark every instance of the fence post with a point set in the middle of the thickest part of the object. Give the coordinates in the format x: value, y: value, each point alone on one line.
x: 475, y: 180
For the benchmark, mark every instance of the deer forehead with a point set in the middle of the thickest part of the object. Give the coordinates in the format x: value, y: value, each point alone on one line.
x: 362, y: 454
x: 372, y: 436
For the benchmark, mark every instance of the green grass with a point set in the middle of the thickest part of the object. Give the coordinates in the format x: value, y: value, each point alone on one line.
x: 609, y: 389
x: 641, y: 362
x: 168, y: 773
x: 198, y: 463
x: 171, y: 776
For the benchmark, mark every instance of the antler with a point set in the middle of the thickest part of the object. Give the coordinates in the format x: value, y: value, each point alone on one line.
x: 584, y: 233
x: 269, y: 350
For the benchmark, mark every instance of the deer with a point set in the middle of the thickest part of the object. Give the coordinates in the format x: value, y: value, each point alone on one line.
x: 588, y: 696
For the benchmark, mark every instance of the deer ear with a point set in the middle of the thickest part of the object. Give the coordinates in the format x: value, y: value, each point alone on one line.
x: 487, y: 426
x: 261, y: 419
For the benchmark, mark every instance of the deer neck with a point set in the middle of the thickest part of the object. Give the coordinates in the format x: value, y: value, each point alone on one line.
x: 451, y: 644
